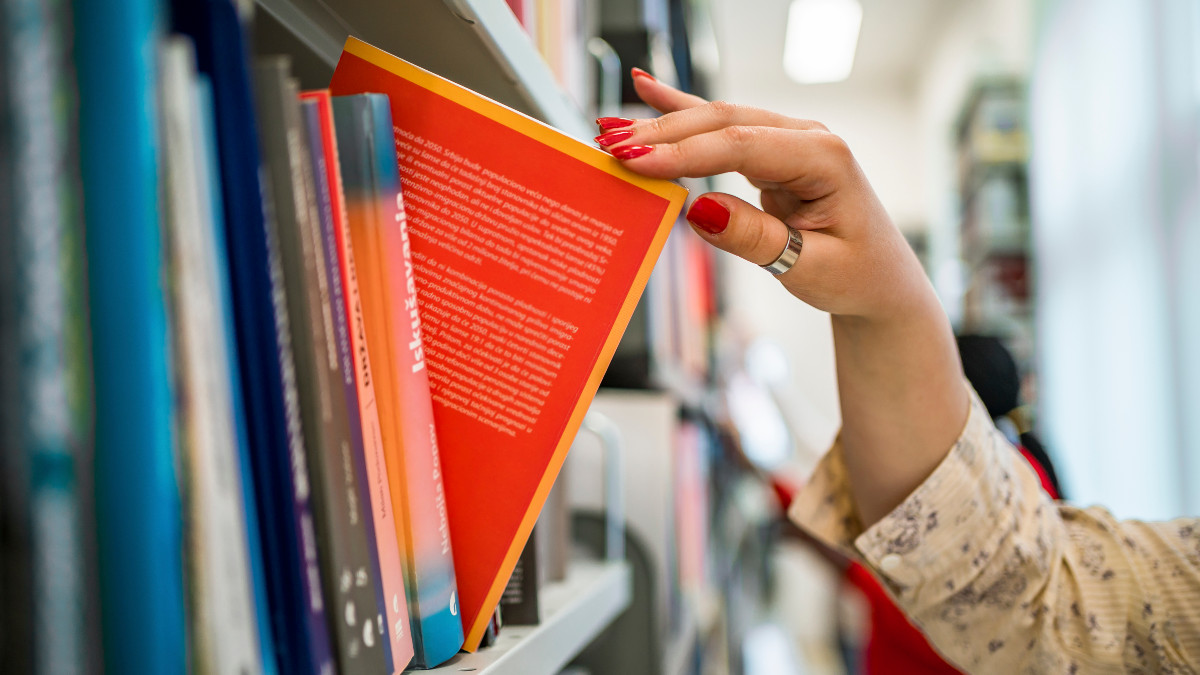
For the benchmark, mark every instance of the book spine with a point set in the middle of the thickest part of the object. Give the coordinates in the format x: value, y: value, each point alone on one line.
x: 47, y: 445
x: 305, y: 600
x: 340, y: 339
x: 375, y: 465
x: 364, y: 139
x: 223, y: 299
x: 433, y: 590
x: 381, y: 539
x: 222, y: 626
x: 137, y: 496
x: 341, y: 536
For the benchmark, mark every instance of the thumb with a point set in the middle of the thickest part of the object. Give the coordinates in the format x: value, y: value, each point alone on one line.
x: 744, y: 230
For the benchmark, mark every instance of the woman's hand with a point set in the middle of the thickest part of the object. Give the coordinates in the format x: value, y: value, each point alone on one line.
x: 854, y: 261
x: 899, y: 379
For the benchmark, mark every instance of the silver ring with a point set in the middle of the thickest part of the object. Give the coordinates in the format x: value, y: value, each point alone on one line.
x: 789, y: 256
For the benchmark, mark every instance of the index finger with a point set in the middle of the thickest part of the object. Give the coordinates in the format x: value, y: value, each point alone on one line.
x: 662, y: 97
x: 808, y: 163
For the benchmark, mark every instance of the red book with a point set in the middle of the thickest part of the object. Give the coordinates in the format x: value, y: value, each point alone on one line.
x: 530, y: 250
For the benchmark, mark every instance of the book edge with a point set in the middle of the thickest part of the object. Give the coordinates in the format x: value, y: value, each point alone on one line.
x: 475, y: 633
x: 513, y: 119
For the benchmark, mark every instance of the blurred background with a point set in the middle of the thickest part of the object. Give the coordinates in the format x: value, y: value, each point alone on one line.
x: 1041, y: 157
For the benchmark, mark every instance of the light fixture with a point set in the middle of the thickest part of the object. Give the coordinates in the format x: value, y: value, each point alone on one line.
x: 821, y: 38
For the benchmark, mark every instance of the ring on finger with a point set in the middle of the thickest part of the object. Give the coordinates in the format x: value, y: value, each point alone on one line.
x: 789, y: 256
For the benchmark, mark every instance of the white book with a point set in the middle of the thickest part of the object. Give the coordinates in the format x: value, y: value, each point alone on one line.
x: 222, y: 616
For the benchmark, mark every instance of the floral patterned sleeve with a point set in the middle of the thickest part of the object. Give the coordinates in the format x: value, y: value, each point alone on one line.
x: 1002, y: 579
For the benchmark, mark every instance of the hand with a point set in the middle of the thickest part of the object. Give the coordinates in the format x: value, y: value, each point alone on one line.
x: 900, y: 383
x: 854, y: 261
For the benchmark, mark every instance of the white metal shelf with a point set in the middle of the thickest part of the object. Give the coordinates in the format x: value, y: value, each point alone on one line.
x: 574, y: 612
x: 476, y: 43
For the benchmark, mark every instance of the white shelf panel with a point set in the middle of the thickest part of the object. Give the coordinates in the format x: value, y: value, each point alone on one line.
x: 476, y: 43
x: 574, y: 612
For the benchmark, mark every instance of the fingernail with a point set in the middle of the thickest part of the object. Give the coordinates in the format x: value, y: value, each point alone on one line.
x: 613, y: 137
x: 631, y: 151
x: 638, y: 72
x: 708, y: 214
x: 606, y: 123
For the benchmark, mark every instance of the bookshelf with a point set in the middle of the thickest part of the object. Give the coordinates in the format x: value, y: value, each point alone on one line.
x: 574, y: 612
x: 995, y: 235
x: 477, y: 43
x: 481, y: 45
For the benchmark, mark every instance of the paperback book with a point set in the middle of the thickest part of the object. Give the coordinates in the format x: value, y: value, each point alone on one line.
x: 529, y: 250
x: 374, y: 206
x: 359, y: 387
x: 346, y: 579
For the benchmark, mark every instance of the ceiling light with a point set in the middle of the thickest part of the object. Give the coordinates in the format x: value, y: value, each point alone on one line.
x: 821, y: 38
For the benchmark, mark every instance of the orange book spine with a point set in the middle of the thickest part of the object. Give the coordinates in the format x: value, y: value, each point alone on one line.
x: 386, y: 539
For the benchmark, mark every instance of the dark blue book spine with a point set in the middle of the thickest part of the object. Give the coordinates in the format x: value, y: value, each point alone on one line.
x: 329, y: 250
x: 264, y: 350
x: 137, y: 495
x: 225, y: 306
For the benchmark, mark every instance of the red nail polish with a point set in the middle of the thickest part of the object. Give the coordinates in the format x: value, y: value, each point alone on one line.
x: 606, y: 123
x: 631, y: 151
x: 613, y: 137
x: 708, y: 214
x: 638, y: 72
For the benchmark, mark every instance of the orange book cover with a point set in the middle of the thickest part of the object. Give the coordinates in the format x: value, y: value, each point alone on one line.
x: 530, y: 251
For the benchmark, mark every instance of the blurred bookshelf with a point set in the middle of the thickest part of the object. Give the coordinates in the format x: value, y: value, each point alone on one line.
x: 992, y: 142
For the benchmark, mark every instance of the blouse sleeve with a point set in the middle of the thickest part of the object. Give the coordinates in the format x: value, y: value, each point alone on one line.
x: 1002, y: 579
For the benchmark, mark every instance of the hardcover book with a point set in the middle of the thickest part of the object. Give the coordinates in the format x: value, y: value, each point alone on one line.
x: 529, y: 251
x: 370, y: 465
x: 392, y: 325
x: 136, y: 486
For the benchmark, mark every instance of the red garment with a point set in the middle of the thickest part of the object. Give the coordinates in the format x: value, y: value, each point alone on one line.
x: 895, y: 646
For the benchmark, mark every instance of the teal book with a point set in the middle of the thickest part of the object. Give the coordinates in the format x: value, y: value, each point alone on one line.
x: 136, y: 487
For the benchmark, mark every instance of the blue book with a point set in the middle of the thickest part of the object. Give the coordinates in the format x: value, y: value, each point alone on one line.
x: 298, y: 618
x: 137, y: 496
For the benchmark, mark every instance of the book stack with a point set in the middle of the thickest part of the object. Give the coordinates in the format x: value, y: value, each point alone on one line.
x: 314, y: 357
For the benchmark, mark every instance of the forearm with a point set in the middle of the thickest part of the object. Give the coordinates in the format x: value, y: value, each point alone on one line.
x: 903, y: 401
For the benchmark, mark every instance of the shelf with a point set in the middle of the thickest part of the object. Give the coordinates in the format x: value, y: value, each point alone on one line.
x: 476, y: 43
x: 682, y: 646
x: 574, y: 612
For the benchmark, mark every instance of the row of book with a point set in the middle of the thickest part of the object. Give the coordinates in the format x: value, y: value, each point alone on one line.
x: 229, y: 442
x: 155, y: 346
